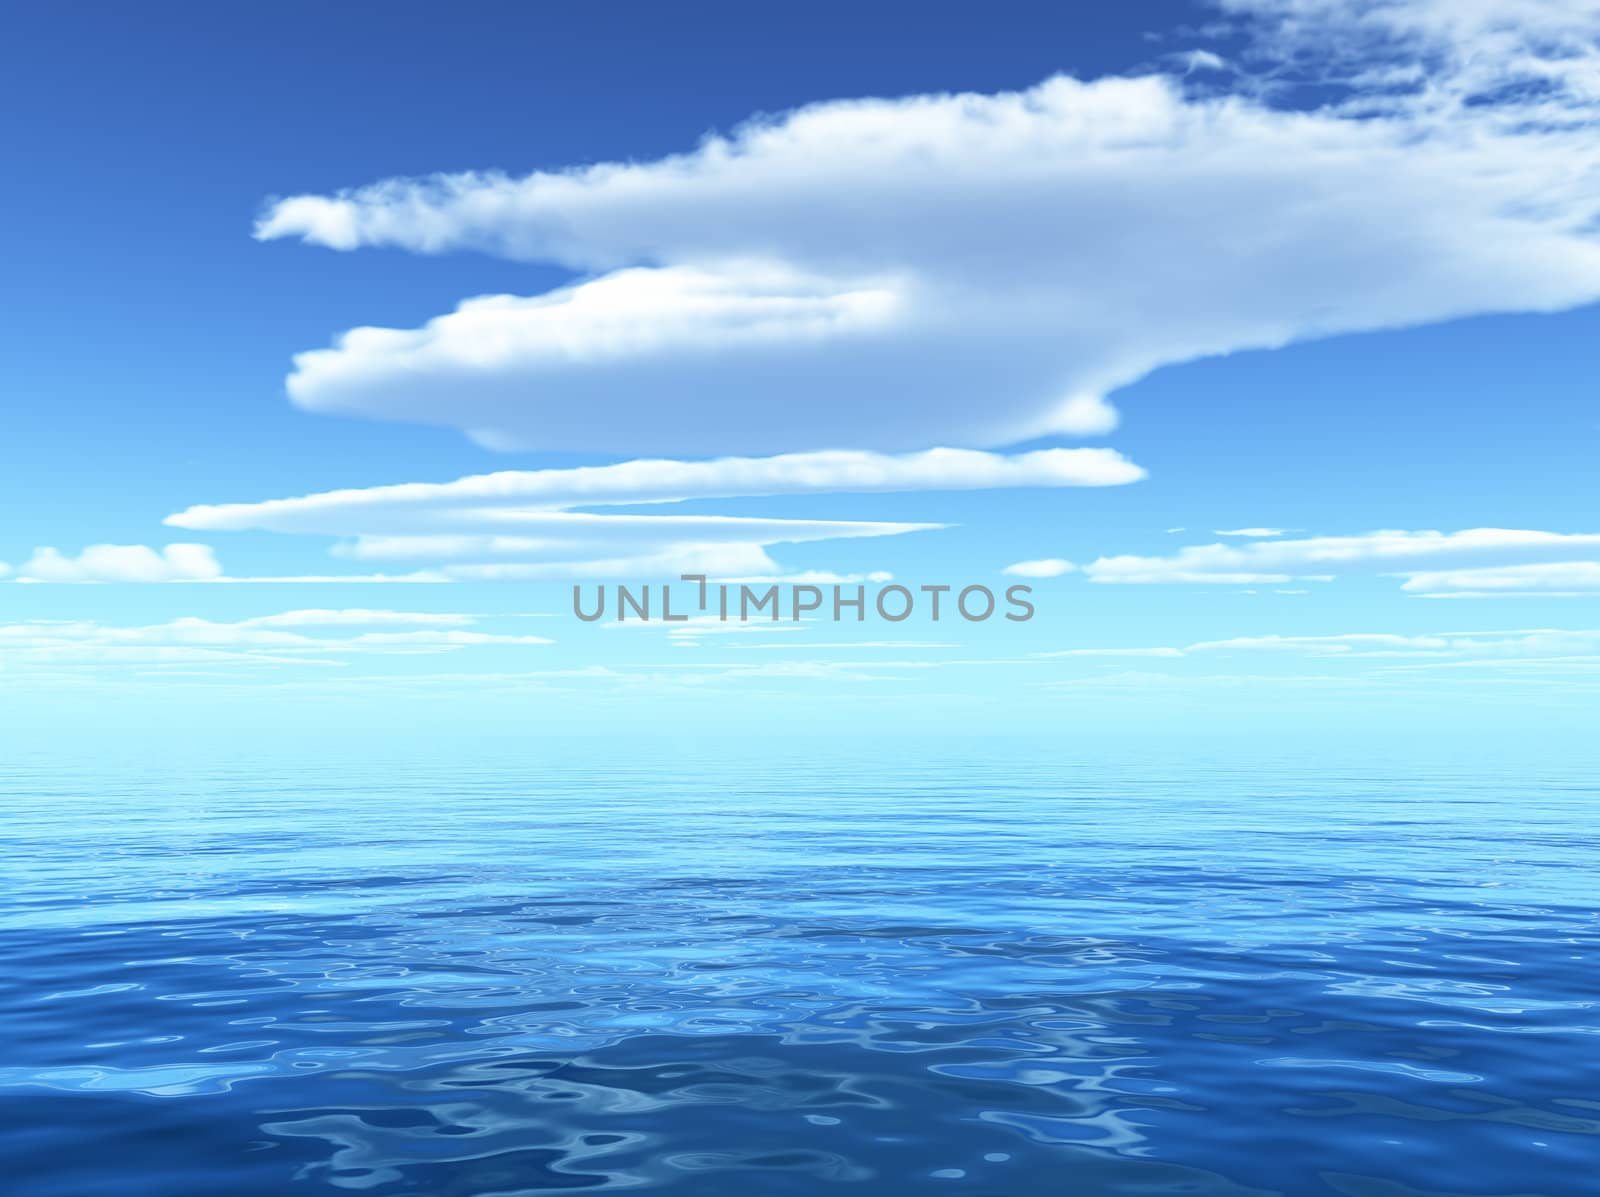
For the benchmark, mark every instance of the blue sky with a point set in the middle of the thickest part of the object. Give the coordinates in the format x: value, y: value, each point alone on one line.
x: 1351, y: 298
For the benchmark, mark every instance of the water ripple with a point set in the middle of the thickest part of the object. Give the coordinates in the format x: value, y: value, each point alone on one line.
x: 943, y: 981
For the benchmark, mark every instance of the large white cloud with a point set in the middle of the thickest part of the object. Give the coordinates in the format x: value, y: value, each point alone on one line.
x: 977, y: 269
x: 530, y: 523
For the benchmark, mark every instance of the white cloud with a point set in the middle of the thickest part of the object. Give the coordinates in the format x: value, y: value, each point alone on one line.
x: 1253, y: 533
x: 503, y: 498
x: 1473, y: 51
x: 528, y: 523
x: 175, y: 563
x: 356, y: 616
x: 415, y: 576
x: 977, y: 269
x: 812, y: 577
x: 122, y: 563
x: 1048, y: 567
x: 1344, y: 644
x: 1150, y: 570
x: 1505, y: 594
x: 696, y: 627
x: 1156, y: 651
x: 1520, y: 643
x: 831, y: 645
x: 567, y: 536
x: 1564, y: 576
x: 1395, y: 553
x: 721, y: 561
x: 272, y: 639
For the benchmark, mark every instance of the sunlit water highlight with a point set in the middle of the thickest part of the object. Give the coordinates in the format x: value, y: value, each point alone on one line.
x: 958, y: 979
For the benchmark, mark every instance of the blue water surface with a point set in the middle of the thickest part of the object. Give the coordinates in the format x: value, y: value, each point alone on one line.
x: 903, y: 977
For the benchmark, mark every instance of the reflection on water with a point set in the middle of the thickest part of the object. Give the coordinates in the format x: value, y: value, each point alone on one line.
x: 958, y: 979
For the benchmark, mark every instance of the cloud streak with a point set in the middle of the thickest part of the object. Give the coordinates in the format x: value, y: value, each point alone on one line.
x: 1046, y: 567
x: 1514, y: 644
x: 1485, y: 559
x: 282, y: 639
x: 538, y: 523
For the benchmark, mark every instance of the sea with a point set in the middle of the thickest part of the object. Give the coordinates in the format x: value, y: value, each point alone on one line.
x: 911, y: 975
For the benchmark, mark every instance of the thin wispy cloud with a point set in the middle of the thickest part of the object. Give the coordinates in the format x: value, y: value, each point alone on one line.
x: 285, y: 638
x: 528, y: 524
x: 1045, y: 567
x: 176, y: 563
x: 1567, y: 577
x: 1517, y: 643
x: 322, y: 617
x: 1481, y: 559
